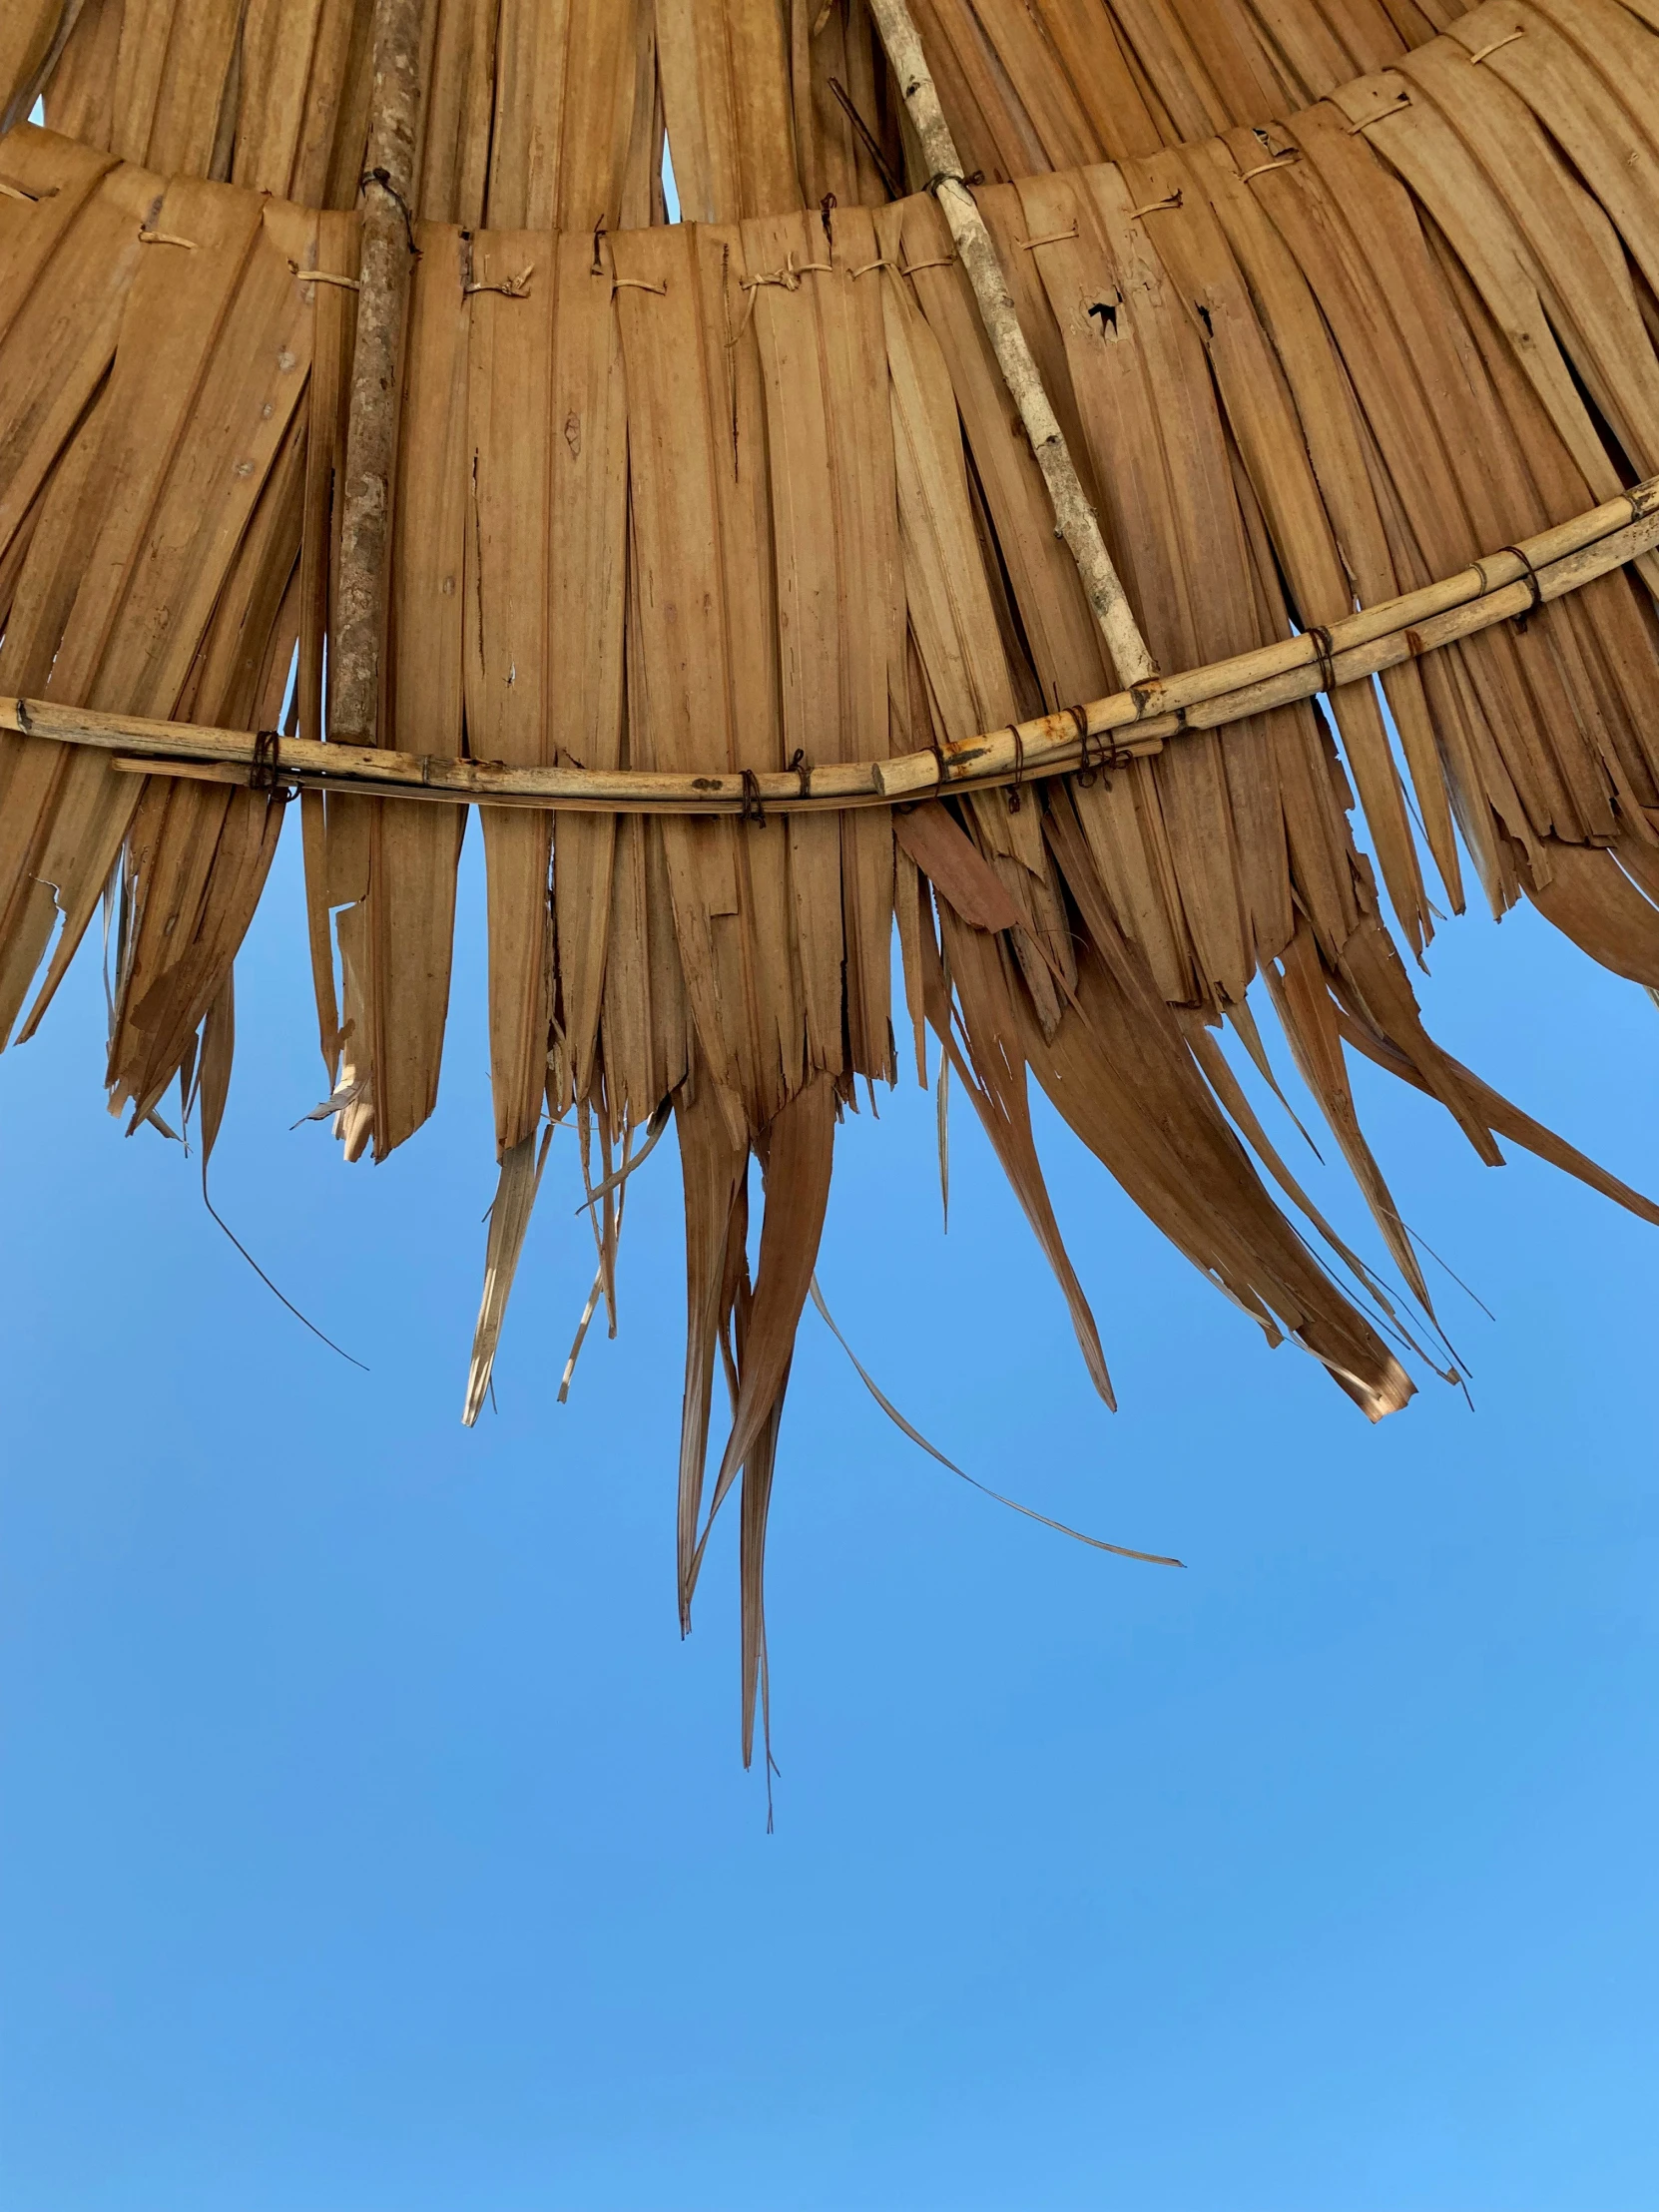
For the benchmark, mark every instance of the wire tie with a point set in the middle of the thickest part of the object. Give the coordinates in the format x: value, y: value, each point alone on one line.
x: 265, y: 774
x: 752, y: 811
x: 1534, y: 582
x: 382, y: 178
x: 869, y: 140
x: 1088, y: 769
x: 1102, y: 757
x: 1015, y: 803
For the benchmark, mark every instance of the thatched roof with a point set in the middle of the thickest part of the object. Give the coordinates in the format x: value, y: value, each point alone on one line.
x: 1333, y: 302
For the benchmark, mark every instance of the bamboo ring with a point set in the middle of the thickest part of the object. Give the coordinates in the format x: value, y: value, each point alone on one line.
x: 1131, y: 723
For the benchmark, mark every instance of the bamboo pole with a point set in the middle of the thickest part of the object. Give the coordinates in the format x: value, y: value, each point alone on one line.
x: 1502, y: 587
x: 389, y: 253
x: 1077, y: 521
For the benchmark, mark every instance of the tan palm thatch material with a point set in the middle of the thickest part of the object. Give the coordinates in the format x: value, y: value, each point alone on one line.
x: 720, y: 574
x: 550, y: 113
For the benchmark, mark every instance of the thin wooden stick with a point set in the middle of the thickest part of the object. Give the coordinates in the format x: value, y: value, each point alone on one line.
x: 1502, y: 587
x: 388, y: 252
x: 1078, y: 524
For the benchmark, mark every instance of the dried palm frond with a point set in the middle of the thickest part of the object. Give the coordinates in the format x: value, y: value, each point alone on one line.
x: 721, y: 574
x: 549, y: 114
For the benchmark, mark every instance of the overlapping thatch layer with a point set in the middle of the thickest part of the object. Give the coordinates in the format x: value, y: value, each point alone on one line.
x: 751, y: 497
x: 551, y: 113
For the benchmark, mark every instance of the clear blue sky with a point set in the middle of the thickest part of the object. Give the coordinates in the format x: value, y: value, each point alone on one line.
x: 370, y: 1842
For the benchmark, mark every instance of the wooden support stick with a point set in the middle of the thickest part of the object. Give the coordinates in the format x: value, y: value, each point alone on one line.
x: 388, y: 252
x: 1078, y: 524
x: 1504, y: 586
